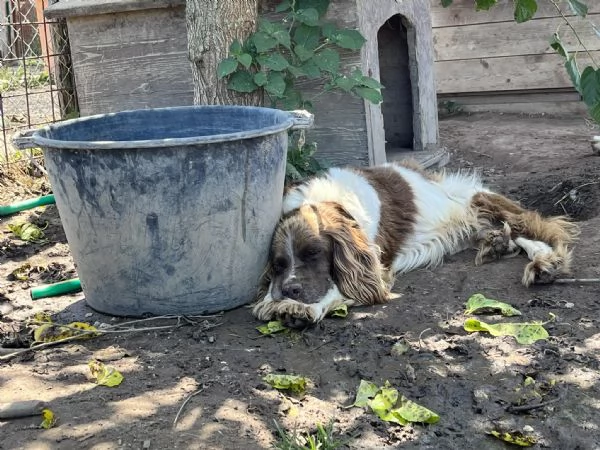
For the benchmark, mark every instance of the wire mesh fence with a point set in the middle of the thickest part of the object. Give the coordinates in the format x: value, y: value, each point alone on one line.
x: 36, y: 76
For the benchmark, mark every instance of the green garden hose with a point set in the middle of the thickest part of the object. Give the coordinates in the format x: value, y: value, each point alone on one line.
x: 26, y: 204
x: 52, y: 290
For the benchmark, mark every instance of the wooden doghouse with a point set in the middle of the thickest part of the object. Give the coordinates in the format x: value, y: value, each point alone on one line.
x: 398, y: 52
x: 123, y: 60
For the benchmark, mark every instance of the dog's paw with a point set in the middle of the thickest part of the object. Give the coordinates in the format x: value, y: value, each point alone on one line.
x: 495, y: 244
x: 544, y: 269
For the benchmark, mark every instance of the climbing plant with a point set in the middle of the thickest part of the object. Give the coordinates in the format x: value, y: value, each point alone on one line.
x: 301, y: 45
x: 586, y: 81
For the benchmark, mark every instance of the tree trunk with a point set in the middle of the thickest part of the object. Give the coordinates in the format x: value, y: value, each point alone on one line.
x: 212, y: 25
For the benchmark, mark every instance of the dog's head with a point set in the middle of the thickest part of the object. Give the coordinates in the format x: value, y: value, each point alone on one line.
x: 319, y: 252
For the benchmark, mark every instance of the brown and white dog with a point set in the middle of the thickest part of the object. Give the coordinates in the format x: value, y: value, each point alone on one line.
x: 345, y: 235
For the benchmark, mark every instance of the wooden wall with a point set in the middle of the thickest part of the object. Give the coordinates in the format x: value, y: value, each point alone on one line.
x: 486, y: 53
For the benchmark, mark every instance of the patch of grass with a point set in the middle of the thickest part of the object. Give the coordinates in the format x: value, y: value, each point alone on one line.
x: 322, y: 439
x: 13, y: 77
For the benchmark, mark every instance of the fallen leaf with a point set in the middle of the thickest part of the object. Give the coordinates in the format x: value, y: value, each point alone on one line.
x: 274, y: 326
x: 524, y: 333
x: 105, y: 375
x: 41, y: 317
x: 29, y: 232
x: 50, y: 332
x: 366, y: 391
x: 478, y: 303
x: 516, y: 437
x: 293, y: 383
x: 49, y: 419
x: 21, y: 273
x: 340, y: 311
x: 390, y: 406
x: 400, y: 348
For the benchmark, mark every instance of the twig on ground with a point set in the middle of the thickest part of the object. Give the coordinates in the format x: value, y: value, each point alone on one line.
x: 575, y: 189
x: 113, y: 329
x: 524, y: 408
x: 185, y: 402
x: 421, y: 335
x: 577, y: 280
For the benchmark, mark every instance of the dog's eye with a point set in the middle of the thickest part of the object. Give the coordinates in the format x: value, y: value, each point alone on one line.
x: 311, y: 252
x: 279, y: 266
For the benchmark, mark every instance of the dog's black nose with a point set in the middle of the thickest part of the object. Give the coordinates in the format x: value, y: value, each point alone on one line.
x: 292, y: 290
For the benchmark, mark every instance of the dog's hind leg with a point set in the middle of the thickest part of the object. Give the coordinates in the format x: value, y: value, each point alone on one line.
x: 546, y: 240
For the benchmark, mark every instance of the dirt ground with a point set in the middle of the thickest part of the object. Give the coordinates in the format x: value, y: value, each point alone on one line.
x: 473, y: 381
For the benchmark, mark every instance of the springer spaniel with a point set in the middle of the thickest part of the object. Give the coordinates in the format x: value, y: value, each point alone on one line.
x: 345, y: 235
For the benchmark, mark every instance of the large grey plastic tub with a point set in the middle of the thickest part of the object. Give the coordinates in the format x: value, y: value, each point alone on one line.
x: 170, y: 210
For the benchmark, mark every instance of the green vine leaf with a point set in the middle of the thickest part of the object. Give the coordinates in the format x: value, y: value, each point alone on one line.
x: 276, y: 84
x: 578, y: 8
x: 309, y: 16
x: 350, y: 39
x: 310, y: 69
x: 245, y: 60
x: 302, y: 53
x: 525, y: 10
x: 273, y: 61
x: 558, y: 46
x: 328, y: 60
x: 320, y: 5
x: 235, y: 48
x: 345, y: 83
x: 292, y: 99
x: 263, y: 42
x: 226, y: 67
x: 446, y: 3
x: 283, y: 37
x: 285, y: 5
x: 573, y: 71
x: 242, y: 81
x: 372, y: 95
x: 328, y: 29
x: 260, y: 78
x: 484, y: 5
x: 307, y: 37
x: 590, y: 86
x: 595, y: 112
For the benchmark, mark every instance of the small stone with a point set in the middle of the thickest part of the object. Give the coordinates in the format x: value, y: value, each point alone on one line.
x: 211, y: 339
x: 528, y: 429
x: 569, y: 305
x: 146, y: 444
x: 89, y: 314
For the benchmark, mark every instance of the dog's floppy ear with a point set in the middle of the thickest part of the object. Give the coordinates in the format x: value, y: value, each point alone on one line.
x: 357, y: 270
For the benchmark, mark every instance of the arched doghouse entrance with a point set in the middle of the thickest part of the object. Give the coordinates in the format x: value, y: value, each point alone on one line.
x: 395, y: 74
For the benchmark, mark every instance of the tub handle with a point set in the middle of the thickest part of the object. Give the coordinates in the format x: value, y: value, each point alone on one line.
x: 302, y: 119
x: 24, y: 139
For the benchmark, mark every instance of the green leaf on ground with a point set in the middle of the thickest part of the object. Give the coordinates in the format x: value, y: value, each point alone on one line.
x: 48, y: 419
x: 340, y: 311
x: 515, y: 437
x: 390, y: 406
x: 293, y: 383
x: 478, y: 303
x: 272, y: 327
x: 105, y: 375
x: 366, y: 391
x: 29, y: 232
x: 524, y: 333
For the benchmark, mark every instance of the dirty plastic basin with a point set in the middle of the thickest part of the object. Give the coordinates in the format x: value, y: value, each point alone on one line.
x: 169, y: 210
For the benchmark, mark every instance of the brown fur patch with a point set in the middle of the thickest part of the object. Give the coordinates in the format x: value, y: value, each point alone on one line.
x: 496, y: 208
x: 398, y: 210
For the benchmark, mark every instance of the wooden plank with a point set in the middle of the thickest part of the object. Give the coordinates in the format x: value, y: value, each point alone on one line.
x: 72, y: 8
x: 115, y: 70
x: 510, y: 39
x: 462, y: 12
x: 538, y: 96
x: 504, y: 74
